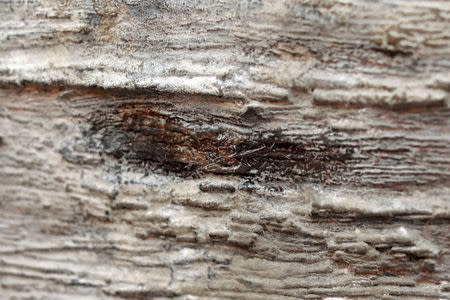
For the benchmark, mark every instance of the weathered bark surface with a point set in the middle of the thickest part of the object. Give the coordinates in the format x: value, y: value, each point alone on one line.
x: 235, y: 149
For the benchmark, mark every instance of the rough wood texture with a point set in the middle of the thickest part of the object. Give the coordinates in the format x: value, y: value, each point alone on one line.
x: 226, y: 150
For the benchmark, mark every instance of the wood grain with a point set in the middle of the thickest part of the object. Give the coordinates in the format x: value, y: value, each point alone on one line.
x: 83, y: 216
x: 224, y: 149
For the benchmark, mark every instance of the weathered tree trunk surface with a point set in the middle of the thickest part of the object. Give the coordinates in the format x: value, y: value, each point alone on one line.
x: 225, y: 149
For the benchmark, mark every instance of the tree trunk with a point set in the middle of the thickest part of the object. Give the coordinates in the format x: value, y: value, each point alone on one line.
x: 224, y: 149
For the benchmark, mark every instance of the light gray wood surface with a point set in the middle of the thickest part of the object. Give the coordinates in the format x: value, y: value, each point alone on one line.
x: 224, y: 149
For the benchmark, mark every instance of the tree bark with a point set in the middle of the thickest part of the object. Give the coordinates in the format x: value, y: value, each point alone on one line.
x: 217, y: 150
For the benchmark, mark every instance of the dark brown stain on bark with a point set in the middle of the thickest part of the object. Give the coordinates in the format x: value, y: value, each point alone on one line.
x: 147, y: 132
